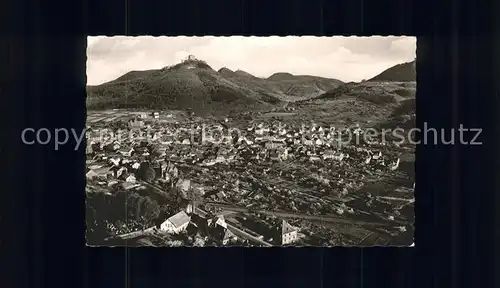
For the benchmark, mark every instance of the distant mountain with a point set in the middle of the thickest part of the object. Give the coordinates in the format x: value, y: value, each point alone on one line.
x: 399, y: 73
x: 246, y: 74
x: 387, y: 100
x: 391, y: 86
x: 226, y: 72
x: 132, y: 75
x: 281, y: 76
x: 375, y: 92
x: 193, y: 84
x: 368, y: 103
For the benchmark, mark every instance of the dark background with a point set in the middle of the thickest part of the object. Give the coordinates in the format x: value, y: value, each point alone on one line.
x: 43, y: 85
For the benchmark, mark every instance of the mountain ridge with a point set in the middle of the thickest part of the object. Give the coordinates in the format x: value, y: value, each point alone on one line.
x: 194, y: 84
x: 404, y: 72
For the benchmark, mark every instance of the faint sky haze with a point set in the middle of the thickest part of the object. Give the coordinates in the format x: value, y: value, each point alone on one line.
x: 343, y: 58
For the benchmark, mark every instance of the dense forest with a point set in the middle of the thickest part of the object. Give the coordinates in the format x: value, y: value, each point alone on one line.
x: 122, y: 212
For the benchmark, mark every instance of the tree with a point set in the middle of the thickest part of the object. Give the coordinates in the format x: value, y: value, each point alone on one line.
x: 150, y: 208
x: 146, y: 172
x: 138, y: 207
x: 131, y: 204
x: 199, y: 242
x: 154, y: 150
x: 194, y: 197
x: 163, y: 213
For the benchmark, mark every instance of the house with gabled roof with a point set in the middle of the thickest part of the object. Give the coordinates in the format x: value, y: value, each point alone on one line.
x: 96, y: 165
x: 288, y: 233
x: 99, y: 173
x: 274, y: 144
x: 176, y: 223
x: 115, y: 161
x: 335, y: 155
x: 376, y: 157
x: 217, y: 221
x: 130, y: 178
x: 328, y: 154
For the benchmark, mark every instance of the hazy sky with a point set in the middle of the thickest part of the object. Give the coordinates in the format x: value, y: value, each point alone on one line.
x: 343, y: 58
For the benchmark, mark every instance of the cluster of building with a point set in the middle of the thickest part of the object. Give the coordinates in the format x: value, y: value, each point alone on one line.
x: 259, y: 166
x: 216, y: 228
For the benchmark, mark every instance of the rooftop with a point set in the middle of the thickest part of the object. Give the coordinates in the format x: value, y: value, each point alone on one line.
x: 287, y: 228
x: 102, y: 170
x: 179, y: 219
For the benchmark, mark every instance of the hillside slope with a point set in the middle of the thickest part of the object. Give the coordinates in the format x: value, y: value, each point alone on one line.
x: 302, y: 85
x: 400, y: 73
x: 404, y: 116
x: 132, y: 75
x: 365, y: 102
x: 375, y: 92
x: 193, y: 84
x: 189, y: 85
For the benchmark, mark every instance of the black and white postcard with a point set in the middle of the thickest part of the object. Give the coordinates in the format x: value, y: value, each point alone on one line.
x: 250, y: 141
